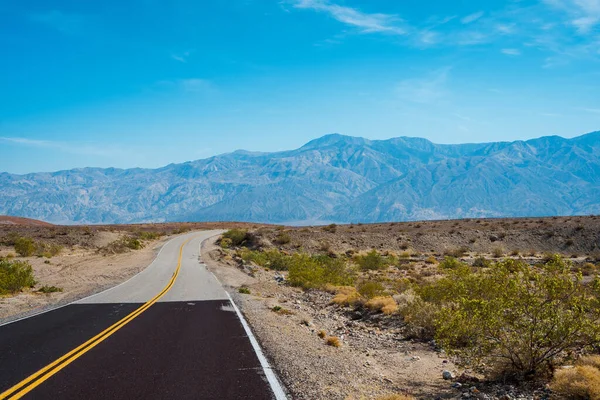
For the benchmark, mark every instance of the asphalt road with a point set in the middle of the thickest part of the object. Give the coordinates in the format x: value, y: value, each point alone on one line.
x: 170, y: 332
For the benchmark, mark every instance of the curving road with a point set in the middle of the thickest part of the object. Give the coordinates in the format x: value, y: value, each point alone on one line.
x: 170, y: 332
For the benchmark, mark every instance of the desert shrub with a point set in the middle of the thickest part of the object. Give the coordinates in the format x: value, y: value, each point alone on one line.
x: 237, y: 236
x: 146, y: 235
x: 333, y: 341
x: 25, y: 247
x: 482, y: 262
x: 385, y: 304
x: 132, y: 243
x: 322, y: 334
x: 244, y: 290
x: 517, y: 318
x: 49, y: 289
x: 332, y: 228
x: 451, y: 263
x: 225, y: 243
x: 317, y: 271
x: 458, y: 252
x: 498, y: 252
x: 431, y: 260
x: 420, y: 316
x: 371, y: 261
x: 371, y: 289
x: 345, y: 295
x: 579, y: 383
x: 283, y: 238
x: 590, y: 360
x: 396, y: 397
x: 14, y: 276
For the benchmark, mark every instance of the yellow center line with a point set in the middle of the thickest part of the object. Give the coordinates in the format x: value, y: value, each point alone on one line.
x: 37, y: 378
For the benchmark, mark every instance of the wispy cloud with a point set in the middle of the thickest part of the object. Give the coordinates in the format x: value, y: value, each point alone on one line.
x: 472, y: 17
x: 425, y: 90
x: 583, y: 14
x: 592, y: 110
x: 365, y: 22
x: 69, y: 24
x: 190, y: 85
x: 79, y: 148
x: 511, y: 52
x: 183, y: 56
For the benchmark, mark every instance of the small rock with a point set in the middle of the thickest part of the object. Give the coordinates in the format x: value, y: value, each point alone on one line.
x: 415, y: 358
x: 457, y: 385
x: 447, y: 375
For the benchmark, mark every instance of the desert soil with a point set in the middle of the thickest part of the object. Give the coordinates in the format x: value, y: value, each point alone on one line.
x: 79, y: 272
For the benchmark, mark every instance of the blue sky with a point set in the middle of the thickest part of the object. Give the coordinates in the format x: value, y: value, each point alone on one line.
x: 149, y: 82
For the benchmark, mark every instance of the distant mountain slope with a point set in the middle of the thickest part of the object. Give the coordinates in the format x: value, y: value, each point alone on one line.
x: 333, y: 178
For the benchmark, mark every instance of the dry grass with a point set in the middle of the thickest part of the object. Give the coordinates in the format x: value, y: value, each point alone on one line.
x: 322, y: 334
x: 385, y: 304
x: 333, y: 341
x: 590, y: 361
x: 396, y: 397
x: 581, y: 382
x: 345, y: 295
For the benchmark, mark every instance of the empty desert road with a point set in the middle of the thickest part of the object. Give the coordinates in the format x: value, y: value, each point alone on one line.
x: 170, y: 332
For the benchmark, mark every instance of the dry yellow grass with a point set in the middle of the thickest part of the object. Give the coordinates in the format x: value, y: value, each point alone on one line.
x: 396, y: 397
x: 385, y: 304
x: 591, y: 361
x: 333, y: 341
x: 345, y: 295
x: 322, y: 334
x: 581, y: 383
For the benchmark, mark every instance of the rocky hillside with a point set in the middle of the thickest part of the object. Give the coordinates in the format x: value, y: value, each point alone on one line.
x: 335, y: 179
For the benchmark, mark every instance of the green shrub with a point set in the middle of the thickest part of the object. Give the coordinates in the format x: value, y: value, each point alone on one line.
x: 451, y: 263
x: 14, y: 276
x: 283, y: 238
x: 272, y: 258
x: 132, y: 243
x: 237, y: 236
x: 25, y: 247
x: 371, y: 289
x: 317, y: 271
x: 514, y: 317
x: 371, y: 261
x: 482, y: 262
x: 49, y: 289
x: 244, y: 290
x: 458, y: 252
x: 145, y: 235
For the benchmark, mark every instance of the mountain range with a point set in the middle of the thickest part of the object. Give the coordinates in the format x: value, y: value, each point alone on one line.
x: 334, y: 178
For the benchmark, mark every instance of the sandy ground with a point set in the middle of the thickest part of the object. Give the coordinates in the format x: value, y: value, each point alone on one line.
x: 79, y: 272
x: 371, y: 362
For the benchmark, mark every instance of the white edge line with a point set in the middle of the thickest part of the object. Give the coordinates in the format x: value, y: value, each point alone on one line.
x: 99, y: 293
x: 264, y: 363
x: 269, y: 373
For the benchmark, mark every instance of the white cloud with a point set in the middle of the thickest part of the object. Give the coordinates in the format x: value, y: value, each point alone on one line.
x: 192, y: 85
x: 66, y: 23
x: 472, y: 17
x: 367, y: 23
x: 592, y: 110
x: 584, y: 14
x: 182, y: 57
x: 72, y: 148
x: 425, y: 90
x: 511, y: 52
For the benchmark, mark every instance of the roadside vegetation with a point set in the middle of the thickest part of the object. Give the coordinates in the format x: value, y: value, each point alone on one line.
x: 27, y: 247
x: 15, y: 275
x: 498, y: 314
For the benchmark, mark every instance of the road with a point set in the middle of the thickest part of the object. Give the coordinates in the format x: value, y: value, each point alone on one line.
x: 170, y: 332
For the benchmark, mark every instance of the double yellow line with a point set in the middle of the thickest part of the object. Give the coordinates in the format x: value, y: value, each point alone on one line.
x: 36, y: 379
